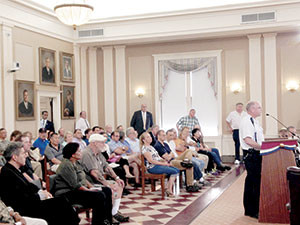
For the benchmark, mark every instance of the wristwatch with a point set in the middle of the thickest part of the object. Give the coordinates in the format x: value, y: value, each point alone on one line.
x: 117, y: 178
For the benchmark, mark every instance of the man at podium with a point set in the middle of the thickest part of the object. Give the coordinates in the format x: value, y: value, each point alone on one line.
x: 251, y: 138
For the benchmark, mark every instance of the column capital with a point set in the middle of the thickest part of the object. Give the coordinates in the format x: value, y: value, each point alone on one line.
x: 119, y: 47
x: 83, y: 48
x: 92, y: 49
x: 269, y: 35
x: 254, y: 36
x: 106, y: 48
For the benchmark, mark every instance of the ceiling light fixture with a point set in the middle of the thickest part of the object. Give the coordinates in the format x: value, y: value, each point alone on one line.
x: 74, y: 14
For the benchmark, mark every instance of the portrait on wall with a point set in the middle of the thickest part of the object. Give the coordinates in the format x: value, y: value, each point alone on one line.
x: 66, y: 67
x: 67, y: 102
x: 47, y: 66
x: 25, y: 103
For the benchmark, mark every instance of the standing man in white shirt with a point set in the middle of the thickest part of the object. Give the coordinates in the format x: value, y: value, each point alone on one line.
x: 82, y: 123
x: 233, y: 121
x: 251, y: 138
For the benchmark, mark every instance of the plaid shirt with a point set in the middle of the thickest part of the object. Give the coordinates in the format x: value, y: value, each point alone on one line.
x: 187, y: 121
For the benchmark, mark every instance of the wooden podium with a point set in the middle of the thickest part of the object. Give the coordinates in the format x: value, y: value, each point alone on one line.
x: 277, y: 156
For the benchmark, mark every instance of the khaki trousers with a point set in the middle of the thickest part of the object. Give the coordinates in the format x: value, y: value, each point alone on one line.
x: 37, y: 168
x: 189, y: 172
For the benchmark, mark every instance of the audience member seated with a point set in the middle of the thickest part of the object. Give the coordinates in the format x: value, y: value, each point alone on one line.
x: 77, y: 138
x: 118, y: 153
x: 283, y: 133
x: 203, y: 148
x: 87, y: 133
x: 95, y: 166
x: 153, y: 132
x: 33, y: 176
x: 53, y: 152
x: 28, y: 199
x: 155, y: 164
x: 108, y: 131
x: 71, y: 183
x: 120, y: 128
x: 14, y: 135
x: 182, y: 145
x: 3, y: 141
x: 68, y: 138
x: 165, y: 152
x: 61, y: 133
x: 41, y: 142
x: 9, y: 216
x: 133, y: 159
x: 133, y: 140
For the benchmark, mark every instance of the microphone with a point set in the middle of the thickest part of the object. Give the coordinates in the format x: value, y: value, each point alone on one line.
x: 267, y: 114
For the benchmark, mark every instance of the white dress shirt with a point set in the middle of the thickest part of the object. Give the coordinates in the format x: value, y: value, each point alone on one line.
x: 144, y: 116
x: 82, y: 124
x: 234, y: 118
x: 249, y: 129
x: 43, y: 123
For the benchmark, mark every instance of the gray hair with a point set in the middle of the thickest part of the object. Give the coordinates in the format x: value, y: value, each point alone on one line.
x: 249, y: 105
x: 290, y: 127
x: 128, y: 130
x: 12, y: 148
x: 66, y: 134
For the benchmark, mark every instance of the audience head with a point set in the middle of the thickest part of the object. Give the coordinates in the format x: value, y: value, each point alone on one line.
x: 122, y: 135
x: 61, y: 132
x: 196, y: 133
x: 192, y: 113
x: 131, y: 133
x: 108, y: 129
x: 283, y: 133
x: 254, y: 109
x: 97, y: 142
x: 72, y: 150
x: 83, y: 114
x: 115, y: 135
x: 24, y: 139
x: 239, y: 107
x: 185, y: 132
x: 96, y: 130
x: 15, y: 154
x: 145, y: 139
x: 68, y: 136
x: 175, y: 132
x: 45, y: 115
x: 161, y: 135
x: 28, y: 134
x: 42, y: 133
x: 144, y: 108
x: 49, y: 134
x: 170, y: 135
x: 54, y: 139
x: 291, y: 129
x: 154, y: 129
x: 14, y: 135
x: 87, y: 133
x: 120, y: 128
x: 3, y: 134
x: 77, y: 134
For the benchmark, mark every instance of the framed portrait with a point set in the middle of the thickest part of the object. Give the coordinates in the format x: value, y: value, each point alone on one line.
x: 25, y: 101
x: 47, y: 66
x: 67, y: 102
x: 66, y: 67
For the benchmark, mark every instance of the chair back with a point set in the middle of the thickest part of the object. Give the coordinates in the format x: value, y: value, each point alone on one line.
x: 144, y: 170
x: 52, y: 182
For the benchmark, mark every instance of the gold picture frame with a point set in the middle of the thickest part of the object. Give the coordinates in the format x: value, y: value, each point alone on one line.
x: 25, y: 100
x: 47, y: 66
x: 66, y: 67
x: 67, y: 102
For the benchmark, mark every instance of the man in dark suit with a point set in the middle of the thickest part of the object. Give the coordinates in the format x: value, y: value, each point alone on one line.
x: 141, y: 120
x: 45, y: 123
x: 25, y: 107
x: 26, y: 198
x: 47, y: 73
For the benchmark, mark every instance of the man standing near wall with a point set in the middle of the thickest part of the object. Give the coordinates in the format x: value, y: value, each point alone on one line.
x: 251, y: 137
x: 189, y: 121
x: 142, y: 120
x: 82, y: 124
x: 233, y: 121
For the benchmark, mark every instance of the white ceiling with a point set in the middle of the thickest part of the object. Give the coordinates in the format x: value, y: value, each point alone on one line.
x: 104, y: 9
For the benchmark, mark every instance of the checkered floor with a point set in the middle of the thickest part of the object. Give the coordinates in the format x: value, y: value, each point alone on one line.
x: 151, y: 209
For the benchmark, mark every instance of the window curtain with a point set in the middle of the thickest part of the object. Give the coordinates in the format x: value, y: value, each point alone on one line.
x: 186, y: 66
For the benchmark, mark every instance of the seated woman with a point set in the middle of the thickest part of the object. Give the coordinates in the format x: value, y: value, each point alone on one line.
x: 199, y: 162
x: 67, y: 139
x: 204, y: 149
x: 155, y: 164
x: 71, y: 183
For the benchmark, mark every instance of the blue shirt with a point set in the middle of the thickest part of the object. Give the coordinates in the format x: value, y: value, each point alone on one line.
x: 162, y: 149
x: 41, y: 144
x: 125, y: 143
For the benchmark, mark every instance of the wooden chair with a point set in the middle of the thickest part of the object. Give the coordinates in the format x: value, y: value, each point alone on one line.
x: 47, y: 172
x: 152, y: 177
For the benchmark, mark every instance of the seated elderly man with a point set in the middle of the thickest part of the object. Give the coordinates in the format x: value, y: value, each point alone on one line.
x: 28, y: 199
x: 9, y: 216
x: 77, y: 138
x: 95, y: 166
x: 53, y: 152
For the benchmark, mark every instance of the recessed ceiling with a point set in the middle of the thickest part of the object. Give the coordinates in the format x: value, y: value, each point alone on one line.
x: 122, y: 8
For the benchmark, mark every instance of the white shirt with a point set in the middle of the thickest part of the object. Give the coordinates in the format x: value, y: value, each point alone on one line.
x: 172, y: 146
x: 134, y: 145
x: 144, y: 116
x: 82, y: 124
x: 43, y: 123
x: 247, y: 129
x: 234, y: 118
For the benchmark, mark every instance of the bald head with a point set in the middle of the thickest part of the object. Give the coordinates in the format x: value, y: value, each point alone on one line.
x: 254, y: 109
x: 144, y: 107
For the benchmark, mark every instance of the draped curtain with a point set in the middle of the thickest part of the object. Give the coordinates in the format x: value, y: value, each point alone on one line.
x: 186, y: 66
